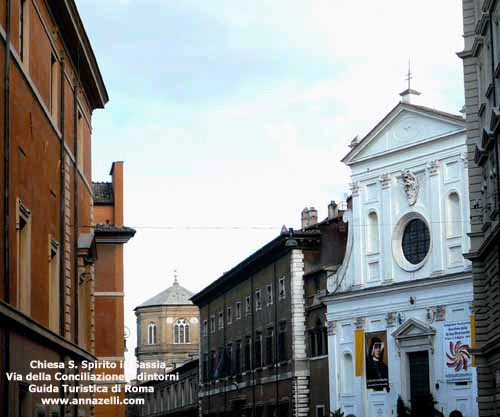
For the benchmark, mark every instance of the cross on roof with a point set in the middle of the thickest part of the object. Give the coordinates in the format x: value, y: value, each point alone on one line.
x: 409, y: 75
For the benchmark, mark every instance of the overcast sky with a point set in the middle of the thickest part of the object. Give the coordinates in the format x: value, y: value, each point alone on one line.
x: 232, y: 116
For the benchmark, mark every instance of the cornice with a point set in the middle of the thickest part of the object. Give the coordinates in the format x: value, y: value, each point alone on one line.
x: 397, y: 287
x: 27, y: 326
x: 491, y: 239
x: 105, y: 233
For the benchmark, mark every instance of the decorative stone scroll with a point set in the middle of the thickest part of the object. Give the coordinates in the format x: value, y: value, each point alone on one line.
x: 385, y: 181
x: 332, y: 327
x: 391, y: 319
x: 433, y: 167
x: 411, y: 186
x: 440, y: 313
x: 359, y: 323
x: 354, y: 188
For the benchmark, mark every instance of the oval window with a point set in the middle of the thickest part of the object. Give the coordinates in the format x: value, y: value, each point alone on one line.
x: 416, y: 241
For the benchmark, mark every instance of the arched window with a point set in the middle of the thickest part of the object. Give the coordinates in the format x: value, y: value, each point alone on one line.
x: 181, y: 331
x: 372, y: 238
x: 347, y: 374
x: 318, y: 340
x: 454, y: 217
x: 152, y: 334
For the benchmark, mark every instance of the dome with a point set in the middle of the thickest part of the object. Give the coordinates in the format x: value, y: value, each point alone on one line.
x: 173, y: 295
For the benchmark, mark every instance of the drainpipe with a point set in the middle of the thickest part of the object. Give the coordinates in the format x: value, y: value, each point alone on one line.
x: 62, y: 195
x: 62, y: 212
x: 252, y: 333
x: 276, y: 336
x: 6, y: 158
x: 75, y: 210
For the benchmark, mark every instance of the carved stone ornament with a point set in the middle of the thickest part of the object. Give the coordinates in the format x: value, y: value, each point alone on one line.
x: 433, y: 167
x: 354, y: 188
x: 332, y: 327
x: 391, y: 319
x: 411, y: 186
x: 359, y: 323
x: 385, y: 180
x: 440, y: 313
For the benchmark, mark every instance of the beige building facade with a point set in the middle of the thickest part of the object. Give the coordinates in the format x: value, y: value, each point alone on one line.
x: 167, y: 331
x: 481, y: 60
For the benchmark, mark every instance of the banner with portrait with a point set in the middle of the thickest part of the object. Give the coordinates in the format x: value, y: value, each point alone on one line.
x: 376, y: 368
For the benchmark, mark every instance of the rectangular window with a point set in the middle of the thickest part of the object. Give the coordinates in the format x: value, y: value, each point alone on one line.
x: 205, y: 367
x: 282, y: 293
x: 54, y: 87
x: 281, y: 342
x: 258, y: 349
x: 212, y: 324
x: 238, y: 310
x: 258, y: 300
x: 248, y: 306
x: 24, y: 30
x: 237, y: 357
x: 269, y: 347
x: 229, y: 367
x: 79, y: 141
x: 269, y: 294
x: 213, y: 356
x: 23, y: 227
x: 320, y: 411
x: 54, y: 287
x: 205, y: 328
x: 221, y: 320
x: 152, y: 334
x: 229, y: 315
x: 248, y: 349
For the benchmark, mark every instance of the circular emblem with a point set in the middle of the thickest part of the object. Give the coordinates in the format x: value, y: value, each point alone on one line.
x: 406, y: 130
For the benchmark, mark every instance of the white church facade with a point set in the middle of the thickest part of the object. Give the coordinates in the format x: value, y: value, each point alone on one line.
x: 400, y: 306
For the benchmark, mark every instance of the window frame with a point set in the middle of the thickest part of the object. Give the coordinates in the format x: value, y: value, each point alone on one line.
x: 152, y: 334
x: 269, y: 294
x: 282, y: 288
x: 182, y: 328
x: 258, y: 300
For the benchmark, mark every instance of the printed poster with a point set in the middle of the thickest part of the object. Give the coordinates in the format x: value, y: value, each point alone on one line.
x: 377, y: 371
x: 456, y: 351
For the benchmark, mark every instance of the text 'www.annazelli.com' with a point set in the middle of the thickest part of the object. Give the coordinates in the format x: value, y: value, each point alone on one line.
x: 92, y: 401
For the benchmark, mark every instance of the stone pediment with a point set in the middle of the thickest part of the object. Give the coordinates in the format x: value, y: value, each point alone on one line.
x: 405, y: 126
x: 413, y: 328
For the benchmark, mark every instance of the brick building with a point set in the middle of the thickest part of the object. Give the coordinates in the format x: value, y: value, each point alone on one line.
x: 110, y: 235
x: 262, y: 347
x: 481, y: 61
x: 168, y: 330
x: 50, y: 85
x: 175, y: 396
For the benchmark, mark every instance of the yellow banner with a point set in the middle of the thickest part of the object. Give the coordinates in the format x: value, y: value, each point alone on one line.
x: 473, y: 338
x: 359, y: 338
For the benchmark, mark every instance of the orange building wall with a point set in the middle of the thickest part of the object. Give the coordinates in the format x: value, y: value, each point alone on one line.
x: 36, y: 162
x: 109, y: 308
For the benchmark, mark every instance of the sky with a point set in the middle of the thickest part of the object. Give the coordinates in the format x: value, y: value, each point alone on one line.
x: 232, y: 116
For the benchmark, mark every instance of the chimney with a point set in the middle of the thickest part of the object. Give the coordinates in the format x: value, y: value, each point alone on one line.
x: 313, y: 216
x: 305, y: 218
x: 309, y: 217
x: 333, y: 210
